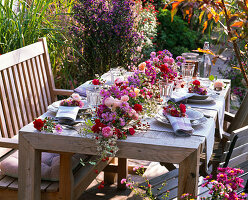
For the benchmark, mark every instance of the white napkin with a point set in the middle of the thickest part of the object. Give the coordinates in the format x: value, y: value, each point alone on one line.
x: 219, y: 106
x: 179, y: 96
x: 181, y: 125
x: 67, y: 112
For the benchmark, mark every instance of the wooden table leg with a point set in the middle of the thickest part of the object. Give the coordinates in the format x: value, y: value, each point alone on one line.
x: 122, y: 172
x: 29, y: 172
x: 189, y: 174
x: 66, y: 179
x: 110, y: 177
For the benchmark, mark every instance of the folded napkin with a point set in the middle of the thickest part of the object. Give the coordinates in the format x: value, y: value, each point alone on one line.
x: 177, y: 97
x: 181, y: 125
x: 67, y: 113
x: 81, y: 90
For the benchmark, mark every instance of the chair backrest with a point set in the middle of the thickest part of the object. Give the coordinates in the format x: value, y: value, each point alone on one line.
x: 236, y: 152
x: 26, y: 86
x: 241, y: 117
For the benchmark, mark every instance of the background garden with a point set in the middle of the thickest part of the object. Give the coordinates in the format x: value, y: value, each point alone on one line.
x: 88, y: 37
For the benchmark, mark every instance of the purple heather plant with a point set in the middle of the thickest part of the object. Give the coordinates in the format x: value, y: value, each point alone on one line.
x: 105, y: 33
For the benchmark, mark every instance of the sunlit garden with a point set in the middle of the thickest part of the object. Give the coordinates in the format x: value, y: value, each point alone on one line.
x: 123, y: 99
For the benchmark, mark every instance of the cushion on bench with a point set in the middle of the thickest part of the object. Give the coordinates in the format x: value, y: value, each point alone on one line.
x: 49, y: 165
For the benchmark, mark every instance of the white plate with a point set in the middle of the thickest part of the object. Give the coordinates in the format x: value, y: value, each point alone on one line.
x: 55, y: 106
x: 202, y: 97
x: 201, y: 101
x: 194, y: 116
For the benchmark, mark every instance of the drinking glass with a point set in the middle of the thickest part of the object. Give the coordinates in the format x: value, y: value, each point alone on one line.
x: 116, y: 73
x: 93, y: 99
x: 165, y: 89
x: 187, y: 71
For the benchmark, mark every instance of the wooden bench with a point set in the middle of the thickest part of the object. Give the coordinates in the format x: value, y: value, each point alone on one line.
x: 26, y: 89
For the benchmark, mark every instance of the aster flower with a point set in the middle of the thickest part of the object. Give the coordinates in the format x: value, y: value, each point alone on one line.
x: 59, y: 128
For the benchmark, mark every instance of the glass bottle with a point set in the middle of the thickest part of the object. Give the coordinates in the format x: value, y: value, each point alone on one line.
x: 205, y: 67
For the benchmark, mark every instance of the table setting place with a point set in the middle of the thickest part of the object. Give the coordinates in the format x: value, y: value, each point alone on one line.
x: 151, y: 101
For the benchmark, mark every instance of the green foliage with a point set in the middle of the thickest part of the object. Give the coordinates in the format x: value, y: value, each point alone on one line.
x: 176, y: 36
x: 23, y: 24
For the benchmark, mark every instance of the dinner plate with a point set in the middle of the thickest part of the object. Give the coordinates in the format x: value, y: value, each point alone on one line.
x: 199, y: 97
x: 55, y: 106
x: 202, y: 97
x: 201, y: 101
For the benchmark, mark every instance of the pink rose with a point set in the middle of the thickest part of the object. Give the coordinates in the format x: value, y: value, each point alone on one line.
x: 109, y: 102
x: 218, y: 84
x: 171, y: 60
x: 117, y: 103
x: 166, y: 59
x: 124, y: 98
x: 135, y: 116
x: 123, y: 181
x: 107, y: 132
x: 131, y: 113
x: 76, y: 97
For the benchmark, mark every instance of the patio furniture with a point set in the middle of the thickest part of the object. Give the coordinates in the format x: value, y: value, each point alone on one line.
x: 153, y: 145
x: 235, y: 155
x: 236, y: 121
x: 26, y: 89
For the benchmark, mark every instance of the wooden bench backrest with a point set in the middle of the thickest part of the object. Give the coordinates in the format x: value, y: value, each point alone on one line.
x: 241, y: 117
x: 236, y: 151
x: 26, y: 86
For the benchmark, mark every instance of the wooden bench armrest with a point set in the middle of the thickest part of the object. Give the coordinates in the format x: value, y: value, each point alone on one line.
x: 228, y: 116
x: 62, y: 92
x: 9, y: 143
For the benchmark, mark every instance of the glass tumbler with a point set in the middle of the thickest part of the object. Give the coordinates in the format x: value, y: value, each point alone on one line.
x: 187, y: 71
x: 165, y: 89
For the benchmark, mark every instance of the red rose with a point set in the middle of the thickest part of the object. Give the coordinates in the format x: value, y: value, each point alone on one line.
x: 137, y: 107
x: 95, y: 128
x: 95, y: 82
x: 182, y: 108
x: 38, y: 124
x: 97, y: 121
x: 196, y: 82
x: 131, y: 131
x: 173, y: 112
x: 164, y: 68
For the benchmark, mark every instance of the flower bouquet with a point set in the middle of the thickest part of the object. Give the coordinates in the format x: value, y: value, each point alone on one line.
x: 196, y: 87
x: 73, y: 100
x: 162, y: 65
x: 175, y: 110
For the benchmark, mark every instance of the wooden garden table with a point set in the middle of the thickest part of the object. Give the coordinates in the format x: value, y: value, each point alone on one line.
x: 184, y: 151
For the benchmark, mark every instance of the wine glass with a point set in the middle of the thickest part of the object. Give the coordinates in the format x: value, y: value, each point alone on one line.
x: 187, y: 71
x: 165, y: 89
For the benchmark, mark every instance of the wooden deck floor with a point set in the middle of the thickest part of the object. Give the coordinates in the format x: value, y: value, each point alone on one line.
x: 111, y: 193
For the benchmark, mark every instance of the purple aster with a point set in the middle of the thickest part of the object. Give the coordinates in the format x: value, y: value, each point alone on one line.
x: 105, y: 117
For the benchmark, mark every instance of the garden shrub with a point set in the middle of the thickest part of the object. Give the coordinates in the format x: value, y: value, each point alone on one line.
x: 176, y: 36
x: 237, y: 81
x: 105, y: 34
x: 147, y: 29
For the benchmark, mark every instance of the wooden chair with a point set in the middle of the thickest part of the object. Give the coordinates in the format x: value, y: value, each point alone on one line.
x: 26, y: 89
x: 235, y: 155
x: 236, y: 121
